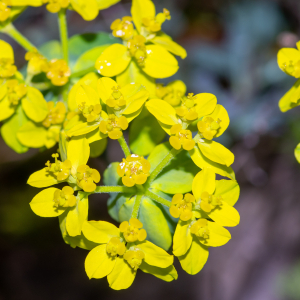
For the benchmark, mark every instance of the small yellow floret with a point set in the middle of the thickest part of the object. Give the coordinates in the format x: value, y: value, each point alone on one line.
x: 132, y: 232
x: 60, y: 170
x: 169, y: 94
x: 4, y: 10
x: 208, y: 127
x: 86, y: 178
x: 115, y: 247
x: 57, y: 71
x: 137, y: 49
x: 134, y: 258
x: 181, y: 138
x: 64, y: 197
x: 7, y: 67
x: 153, y: 25
x: 90, y: 112
x: 182, y: 206
x: 122, y: 29
x: 56, y: 114
x: 134, y: 170
x: 200, y: 229
x: 208, y: 202
x: 36, y: 62
x: 187, y: 110
x: 15, y: 91
x: 113, y: 126
x: 116, y: 100
x: 55, y: 6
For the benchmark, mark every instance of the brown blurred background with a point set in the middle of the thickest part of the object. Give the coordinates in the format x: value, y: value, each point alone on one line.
x: 232, y: 47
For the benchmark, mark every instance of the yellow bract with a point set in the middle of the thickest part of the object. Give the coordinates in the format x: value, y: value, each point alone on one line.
x: 4, y: 10
x: 58, y: 71
x: 131, y: 230
x: 182, y: 206
x: 134, y: 170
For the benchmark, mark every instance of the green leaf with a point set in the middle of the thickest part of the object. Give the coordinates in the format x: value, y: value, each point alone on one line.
x: 178, y: 175
x: 126, y: 210
x: 144, y: 134
x: 10, y: 128
x: 51, y: 49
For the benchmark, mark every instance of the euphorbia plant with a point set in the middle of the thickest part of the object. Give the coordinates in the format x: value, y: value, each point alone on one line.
x: 164, y: 192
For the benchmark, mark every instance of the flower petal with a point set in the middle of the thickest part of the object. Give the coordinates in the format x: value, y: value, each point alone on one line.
x: 204, y: 181
x: 218, y: 235
x: 41, y: 178
x: 182, y: 239
x: 78, y: 152
x: 142, y: 9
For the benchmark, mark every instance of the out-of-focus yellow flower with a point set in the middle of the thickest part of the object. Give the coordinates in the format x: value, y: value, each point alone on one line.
x: 181, y: 138
x: 56, y: 114
x: 7, y: 67
x: 133, y: 170
x: 182, y: 206
x: 133, y: 231
x: 55, y: 6
x: 172, y: 92
x: 36, y: 62
x: 57, y: 71
x: 122, y: 28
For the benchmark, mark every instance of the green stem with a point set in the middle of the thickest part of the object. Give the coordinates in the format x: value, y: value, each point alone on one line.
x: 124, y: 146
x: 158, y: 198
x: 115, y: 189
x: 162, y: 164
x: 18, y: 37
x: 63, y: 29
x: 136, y: 206
x: 83, y: 72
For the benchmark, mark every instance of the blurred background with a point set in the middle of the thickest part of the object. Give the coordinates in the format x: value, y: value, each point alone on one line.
x: 232, y: 47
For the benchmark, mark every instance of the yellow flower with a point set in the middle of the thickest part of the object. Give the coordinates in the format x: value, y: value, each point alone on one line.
x: 113, y: 126
x: 55, y: 6
x: 56, y: 114
x: 86, y: 178
x: 59, y: 170
x: 132, y: 232
x: 181, y: 138
x: 153, y: 24
x: 209, y: 127
x: 7, y: 67
x: 36, y: 62
x: 57, y: 71
x: 64, y: 197
x: 134, y: 170
x: 172, y: 92
x: 120, y: 262
x: 182, y: 206
x: 122, y: 28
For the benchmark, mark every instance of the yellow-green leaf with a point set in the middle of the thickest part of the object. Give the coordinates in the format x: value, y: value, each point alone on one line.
x: 32, y: 135
x: 229, y: 190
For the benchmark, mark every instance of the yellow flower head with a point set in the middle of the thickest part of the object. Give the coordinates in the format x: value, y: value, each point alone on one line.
x: 208, y: 202
x: 132, y: 232
x: 122, y: 28
x: 137, y: 49
x: 134, y: 170
x: 64, y: 197
x: 4, y: 10
x: 15, y: 91
x: 90, y: 112
x: 115, y: 247
x: 134, y: 258
x: 116, y: 100
x: 208, y: 127
x: 55, y: 6
x: 181, y: 207
x: 56, y: 114
x: 60, y: 170
x: 7, y: 67
x: 200, y: 229
x: 113, y: 126
x: 181, y: 138
x: 153, y: 25
x: 58, y: 72
x: 172, y: 92
x: 86, y: 178
x: 36, y: 62
x: 187, y: 110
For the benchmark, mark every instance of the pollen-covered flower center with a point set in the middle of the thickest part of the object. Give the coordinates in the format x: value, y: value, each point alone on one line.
x: 56, y: 114
x: 4, y: 10
x: 181, y: 138
x: 182, y: 206
x: 132, y: 231
x: 15, y: 91
x: 64, y: 197
x: 209, y: 127
x: 59, y: 170
x: 122, y: 28
x: 187, y: 110
x: 86, y: 178
x: 115, y: 247
x: 153, y: 25
x: 208, y: 202
x: 116, y: 100
x: 134, y: 258
x: 134, y: 170
x: 55, y: 6
x: 7, y: 67
x: 137, y: 49
x: 58, y: 71
x: 90, y: 112
x: 200, y: 229
x: 113, y: 126
x: 292, y: 68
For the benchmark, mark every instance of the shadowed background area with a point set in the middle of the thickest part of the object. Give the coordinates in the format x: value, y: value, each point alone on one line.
x: 232, y: 48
